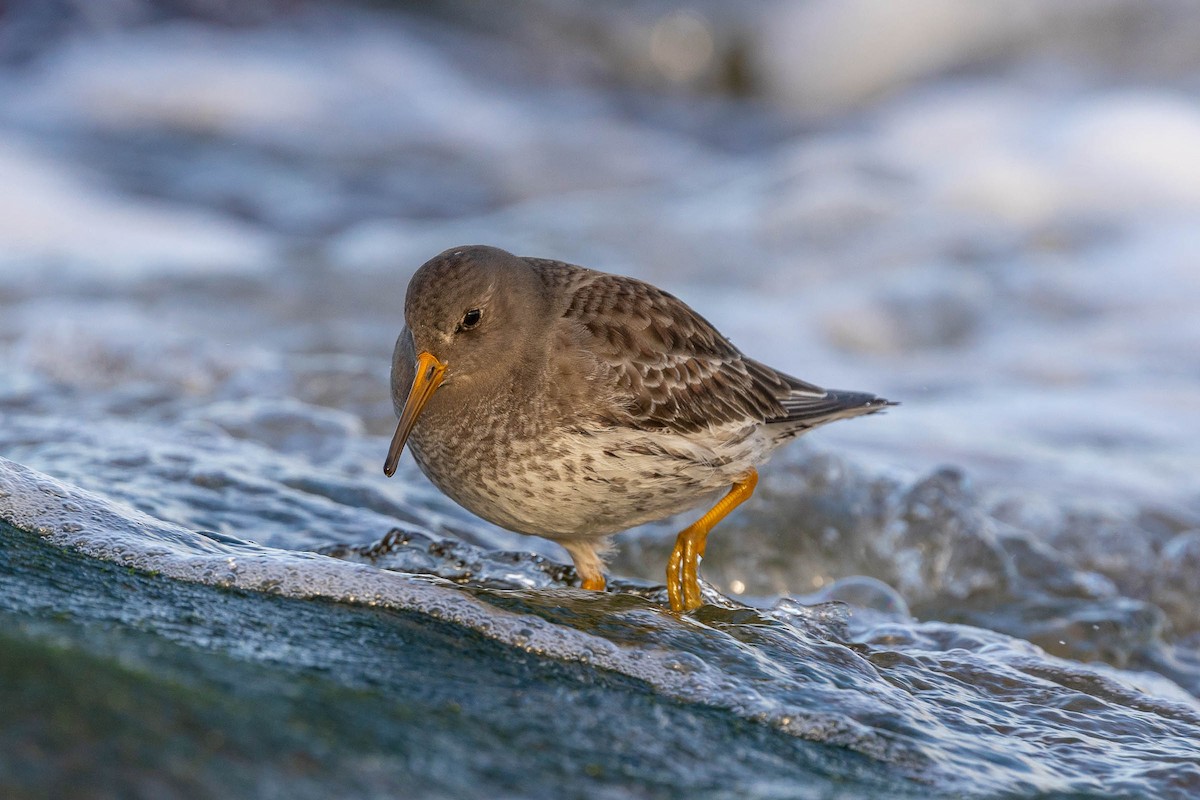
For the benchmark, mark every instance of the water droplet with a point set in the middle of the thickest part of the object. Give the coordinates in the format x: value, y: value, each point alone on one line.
x: 685, y: 663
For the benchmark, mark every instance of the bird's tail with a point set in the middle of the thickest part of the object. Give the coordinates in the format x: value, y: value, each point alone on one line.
x: 807, y: 409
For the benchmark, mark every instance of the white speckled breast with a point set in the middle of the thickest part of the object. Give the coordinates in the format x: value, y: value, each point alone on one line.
x: 571, y: 483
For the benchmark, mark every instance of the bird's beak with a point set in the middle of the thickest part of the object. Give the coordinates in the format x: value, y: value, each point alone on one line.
x: 429, y: 376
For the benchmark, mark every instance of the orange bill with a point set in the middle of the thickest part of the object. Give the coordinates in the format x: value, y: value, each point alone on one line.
x: 429, y: 376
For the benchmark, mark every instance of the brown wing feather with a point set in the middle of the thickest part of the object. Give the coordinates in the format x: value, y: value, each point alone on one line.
x: 672, y: 368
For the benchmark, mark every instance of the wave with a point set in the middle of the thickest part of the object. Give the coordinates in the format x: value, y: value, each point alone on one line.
x: 939, y: 701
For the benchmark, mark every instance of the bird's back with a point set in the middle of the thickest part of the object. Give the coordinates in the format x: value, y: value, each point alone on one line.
x: 672, y: 370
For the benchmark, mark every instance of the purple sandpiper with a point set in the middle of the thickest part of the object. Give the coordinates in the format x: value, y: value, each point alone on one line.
x: 571, y: 404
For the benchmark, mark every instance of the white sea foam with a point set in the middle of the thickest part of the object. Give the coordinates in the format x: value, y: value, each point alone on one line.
x: 50, y: 215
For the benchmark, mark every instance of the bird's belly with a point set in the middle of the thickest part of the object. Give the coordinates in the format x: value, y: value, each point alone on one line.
x: 578, y: 484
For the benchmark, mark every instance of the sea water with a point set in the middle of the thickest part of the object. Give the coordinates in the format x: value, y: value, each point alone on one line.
x: 206, y: 227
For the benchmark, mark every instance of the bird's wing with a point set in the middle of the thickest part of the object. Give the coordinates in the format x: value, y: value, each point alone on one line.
x: 671, y: 368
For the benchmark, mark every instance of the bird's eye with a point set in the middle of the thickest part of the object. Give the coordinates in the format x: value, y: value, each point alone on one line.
x: 470, y: 319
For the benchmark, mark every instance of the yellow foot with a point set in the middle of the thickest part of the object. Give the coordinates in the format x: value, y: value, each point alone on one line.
x: 683, y: 568
x: 594, y: 584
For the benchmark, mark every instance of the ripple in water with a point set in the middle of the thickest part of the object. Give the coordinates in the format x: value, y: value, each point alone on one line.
x: 952, y: 704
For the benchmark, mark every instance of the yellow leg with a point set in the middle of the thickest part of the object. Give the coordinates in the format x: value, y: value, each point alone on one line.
x: 593, y: 584
x: 683, y: 568
x: 588, y: 565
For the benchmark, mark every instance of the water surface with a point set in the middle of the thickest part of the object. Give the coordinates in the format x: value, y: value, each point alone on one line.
x: 209, y: 587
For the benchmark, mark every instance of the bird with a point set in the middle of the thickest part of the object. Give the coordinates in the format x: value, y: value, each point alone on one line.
x: 562, y: 402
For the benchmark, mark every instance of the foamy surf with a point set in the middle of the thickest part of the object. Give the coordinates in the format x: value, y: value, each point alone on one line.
x: 936, y: 701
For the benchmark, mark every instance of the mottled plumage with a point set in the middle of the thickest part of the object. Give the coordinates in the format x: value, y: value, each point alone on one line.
x: 567, y: 403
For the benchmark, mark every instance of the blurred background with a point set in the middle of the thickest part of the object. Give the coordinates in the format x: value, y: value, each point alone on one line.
x: 989, y: 211
x: 986, y: 210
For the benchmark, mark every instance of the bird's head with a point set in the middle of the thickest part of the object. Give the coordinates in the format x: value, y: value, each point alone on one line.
x: 470, y: 316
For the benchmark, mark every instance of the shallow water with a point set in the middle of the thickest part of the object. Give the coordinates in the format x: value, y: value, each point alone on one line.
x: 165, y: 688
x: 960, y: 708
x: 206, y: 236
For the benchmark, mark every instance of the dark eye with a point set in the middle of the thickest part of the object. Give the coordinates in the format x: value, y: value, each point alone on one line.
x: 470, y: 319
